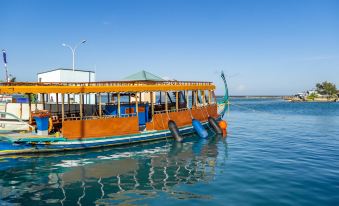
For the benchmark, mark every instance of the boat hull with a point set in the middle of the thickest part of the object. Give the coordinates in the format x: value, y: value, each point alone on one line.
x: 38, y: 145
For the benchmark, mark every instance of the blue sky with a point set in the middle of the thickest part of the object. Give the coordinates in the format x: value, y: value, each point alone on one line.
x: 266, y: 47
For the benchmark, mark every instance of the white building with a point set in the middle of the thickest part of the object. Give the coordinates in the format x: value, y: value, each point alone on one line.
x: 68, y: 75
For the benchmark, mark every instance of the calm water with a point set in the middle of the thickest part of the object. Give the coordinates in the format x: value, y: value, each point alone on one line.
x: 276, y: 153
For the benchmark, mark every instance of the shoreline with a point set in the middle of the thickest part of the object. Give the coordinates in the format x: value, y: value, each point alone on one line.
x: 285, y: 98
x: 324, y: 100
x: 255, y: 97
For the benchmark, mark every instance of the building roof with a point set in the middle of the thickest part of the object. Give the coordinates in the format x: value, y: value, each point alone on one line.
x: 66, y: 69
x: 143, y: 76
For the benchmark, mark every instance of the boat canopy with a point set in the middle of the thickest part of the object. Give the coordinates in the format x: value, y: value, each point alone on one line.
x: 101, y: 87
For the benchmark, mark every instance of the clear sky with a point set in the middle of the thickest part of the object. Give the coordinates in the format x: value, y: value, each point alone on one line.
x: 266, y: 47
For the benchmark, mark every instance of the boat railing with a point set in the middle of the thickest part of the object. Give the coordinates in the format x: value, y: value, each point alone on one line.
x: 184, y: 109
x: 129, y: 115
x: 171, y: 110
x: 97, y: 117
x: 106, y: 83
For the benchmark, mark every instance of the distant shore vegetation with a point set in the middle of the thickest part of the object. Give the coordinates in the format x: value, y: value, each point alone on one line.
x: 327, y: 88
x: 324, y: 92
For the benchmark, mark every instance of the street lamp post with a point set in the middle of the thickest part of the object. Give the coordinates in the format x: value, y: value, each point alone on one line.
x: 73, y: 49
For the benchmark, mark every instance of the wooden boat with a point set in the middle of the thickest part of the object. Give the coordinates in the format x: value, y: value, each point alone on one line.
x: 123, y: 112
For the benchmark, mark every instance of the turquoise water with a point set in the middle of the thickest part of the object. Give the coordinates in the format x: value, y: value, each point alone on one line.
x: 276, y: 153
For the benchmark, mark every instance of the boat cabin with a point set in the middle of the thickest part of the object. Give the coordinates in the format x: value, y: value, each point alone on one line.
x: 120, y: 107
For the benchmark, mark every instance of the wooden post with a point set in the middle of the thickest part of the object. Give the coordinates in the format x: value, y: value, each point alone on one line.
x: 166, y: 101
x: 136, y: 104
x: 209, y: 97
x: 108, y: 98
x: 193, y: 99
x: 203, y: 97
x: 177, y: 101
x: 196, y: 98
x: 43, y: 101
x: 30, y: 108
x: 119, y: 112
x: 187, y: 102
x: 36, y: 102
x: 81, y: 106
x: 129, y: 103
x: 100, y: 109
x: 160, y: 97
x: 152, y: 104
x: 20, y: 110
x: 62, y: 108
x: 69, y: 104
x: 57, y: 103
x: 214, y: 97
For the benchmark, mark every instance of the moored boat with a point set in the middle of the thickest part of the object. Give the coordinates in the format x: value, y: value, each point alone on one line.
x: 124, y: 112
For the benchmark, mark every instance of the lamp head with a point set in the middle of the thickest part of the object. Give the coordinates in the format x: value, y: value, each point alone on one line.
x: 83, y: 41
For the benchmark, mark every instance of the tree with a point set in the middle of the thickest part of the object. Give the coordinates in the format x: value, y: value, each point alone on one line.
x: 326, y: 88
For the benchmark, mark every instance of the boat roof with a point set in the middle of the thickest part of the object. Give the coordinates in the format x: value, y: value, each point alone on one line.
x: 101, y: 87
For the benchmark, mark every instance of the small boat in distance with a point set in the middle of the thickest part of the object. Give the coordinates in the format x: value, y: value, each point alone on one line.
x: 123, y: 112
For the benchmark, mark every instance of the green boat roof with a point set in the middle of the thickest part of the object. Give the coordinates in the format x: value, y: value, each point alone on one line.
x: 143, y: 76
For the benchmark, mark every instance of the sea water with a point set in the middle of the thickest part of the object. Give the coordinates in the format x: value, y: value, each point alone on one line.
x: 275, y: 153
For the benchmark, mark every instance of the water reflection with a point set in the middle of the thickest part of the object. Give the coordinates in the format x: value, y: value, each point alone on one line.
x: 124, y: 175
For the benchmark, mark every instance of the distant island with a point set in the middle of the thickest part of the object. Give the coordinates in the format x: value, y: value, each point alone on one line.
x: 324, y: 92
